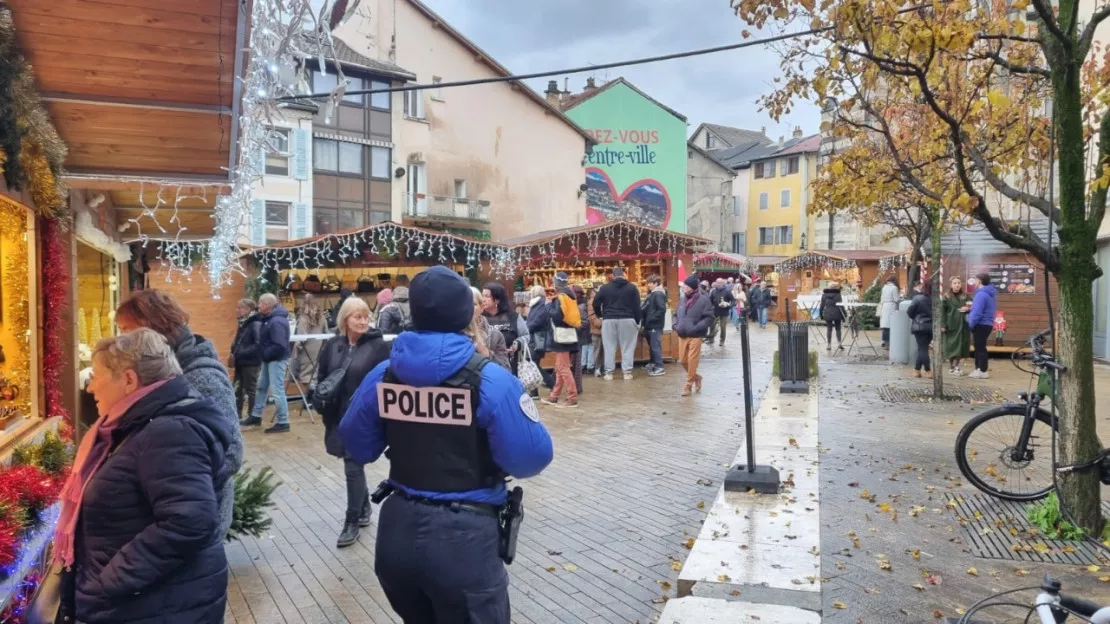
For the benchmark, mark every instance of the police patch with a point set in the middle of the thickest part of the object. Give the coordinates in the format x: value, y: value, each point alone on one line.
x: 529, y: 408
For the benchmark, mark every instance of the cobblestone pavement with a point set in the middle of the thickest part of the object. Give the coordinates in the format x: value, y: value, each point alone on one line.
x: 604, y: 523
x: 886, y: 470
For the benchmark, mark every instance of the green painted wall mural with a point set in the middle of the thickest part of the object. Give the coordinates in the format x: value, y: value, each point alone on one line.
x: 637, y: 171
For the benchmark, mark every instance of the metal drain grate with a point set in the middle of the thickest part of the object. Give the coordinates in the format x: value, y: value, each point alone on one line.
x: 997, y: 529
x: 966, y: 394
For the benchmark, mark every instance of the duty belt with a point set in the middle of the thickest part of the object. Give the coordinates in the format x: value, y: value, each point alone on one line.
x: 484, y: 509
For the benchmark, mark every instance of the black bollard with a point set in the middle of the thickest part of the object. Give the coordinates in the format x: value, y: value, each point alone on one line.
x: 762, y: 479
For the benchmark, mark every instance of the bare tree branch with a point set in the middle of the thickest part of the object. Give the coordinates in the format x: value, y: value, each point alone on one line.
x: 1014, y: 68
x: 1088, y: 35
x: 1017, y: 38
x: 1045, y: 13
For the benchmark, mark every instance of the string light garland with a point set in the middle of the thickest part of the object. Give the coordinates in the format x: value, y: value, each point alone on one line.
x: 892, y: 263
x: 811, y: 260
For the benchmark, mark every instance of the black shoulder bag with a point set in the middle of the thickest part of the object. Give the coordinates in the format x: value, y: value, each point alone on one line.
x: 325, y: 398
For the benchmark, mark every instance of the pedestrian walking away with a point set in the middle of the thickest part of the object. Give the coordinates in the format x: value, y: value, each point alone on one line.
x: 395, y: 316
x: 618, y: 305
x: 274, y: 351
x: 980, y: 319
x: 723, y: 302
x: 921, y: 326
x: 832, y: 313
x: 955, y: 333
x: 448, y: 522
x: 691, y: 324
x: 344, y: 361
x: 562, y: 340
x: 655, y: 318
x: 888, y: 305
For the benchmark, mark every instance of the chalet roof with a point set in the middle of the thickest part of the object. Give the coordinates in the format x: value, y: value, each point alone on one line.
x: 975, y: 240
x: 733, y: 137
x: 696, y: 243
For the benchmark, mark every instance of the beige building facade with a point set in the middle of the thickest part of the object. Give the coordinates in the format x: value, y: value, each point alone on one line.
x: 489, y: 160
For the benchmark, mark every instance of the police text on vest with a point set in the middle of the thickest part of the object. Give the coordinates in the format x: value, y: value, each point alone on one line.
x: 435, y: 405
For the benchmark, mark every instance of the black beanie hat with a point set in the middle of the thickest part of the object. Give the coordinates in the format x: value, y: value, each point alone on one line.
x: 440, y: 301
x: 692, y: 282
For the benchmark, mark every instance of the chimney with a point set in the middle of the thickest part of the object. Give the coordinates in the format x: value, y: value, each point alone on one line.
x: 797, y: 132
x: 763, y: 130
x: 553, y: 94
x: 590, y: 85
x: 781, y: 142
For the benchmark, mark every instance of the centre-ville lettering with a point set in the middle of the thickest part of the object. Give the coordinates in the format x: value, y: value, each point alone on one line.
x: 433, y: 405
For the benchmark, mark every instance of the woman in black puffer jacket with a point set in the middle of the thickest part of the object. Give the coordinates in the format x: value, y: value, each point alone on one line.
x: 921, y: 326
x: 139, y: 525
x: 366, y: 349
x: 832, y: 313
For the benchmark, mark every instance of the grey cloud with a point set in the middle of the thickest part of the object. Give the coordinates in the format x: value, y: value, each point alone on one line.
x: 721, y: 88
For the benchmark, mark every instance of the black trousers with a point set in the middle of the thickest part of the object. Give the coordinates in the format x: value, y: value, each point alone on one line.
x: 829, y: 325
x: 246, y: 386
x: 923, y: 340
x: 439, y: 566
x: 358, y: 491
x: 980, y: 334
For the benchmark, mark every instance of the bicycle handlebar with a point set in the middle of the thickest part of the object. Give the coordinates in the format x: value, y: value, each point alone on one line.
x: 1085, y: 608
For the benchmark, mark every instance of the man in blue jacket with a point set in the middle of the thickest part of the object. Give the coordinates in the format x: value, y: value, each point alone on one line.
x: 274, y: 351
x: 981, y: 321
x: 453, y: 428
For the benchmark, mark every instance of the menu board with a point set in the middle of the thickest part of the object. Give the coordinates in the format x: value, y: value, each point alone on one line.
x: 1008, y: 278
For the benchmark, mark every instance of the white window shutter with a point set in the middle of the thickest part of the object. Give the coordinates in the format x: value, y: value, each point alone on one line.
x: 300, y: 220
x: 258, y: 222
x: 300, y: 149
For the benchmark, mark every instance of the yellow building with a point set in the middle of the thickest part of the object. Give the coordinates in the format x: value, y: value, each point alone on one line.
x: 779, y: 196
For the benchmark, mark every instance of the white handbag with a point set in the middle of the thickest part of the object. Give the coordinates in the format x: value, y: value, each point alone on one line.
x: 564, y: 335
x: 527, y: 371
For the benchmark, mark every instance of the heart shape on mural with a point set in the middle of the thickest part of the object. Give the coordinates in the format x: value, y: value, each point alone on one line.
x: 645, y: 201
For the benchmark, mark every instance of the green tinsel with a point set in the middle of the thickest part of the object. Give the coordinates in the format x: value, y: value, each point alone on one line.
x: 53, y: 453
x: 252, y: 498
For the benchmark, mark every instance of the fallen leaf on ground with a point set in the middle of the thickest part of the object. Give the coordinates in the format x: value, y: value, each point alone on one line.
x: 551, y: 568
x: 838, y: 604
x: 937, y: 614
x: 918, y: 586
x: 1093, y: 568
x: 973, y: 572
x: 723, y: 578
x: 934, y: 579
x: 701, y: 504
x: 570, y: 567
x: 916, y: 554
x: 676, y: 566
x: 705, y: 482
x: 664, y: 584
x: 884, y: 564
x: 689, y: 544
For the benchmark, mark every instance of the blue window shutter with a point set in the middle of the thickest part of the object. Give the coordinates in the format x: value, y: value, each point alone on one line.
x: 300, y: 220
x: 300, y: 154
x: 258, y: 222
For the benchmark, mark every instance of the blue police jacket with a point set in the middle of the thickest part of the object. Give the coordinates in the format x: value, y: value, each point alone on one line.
x: 518, y: 441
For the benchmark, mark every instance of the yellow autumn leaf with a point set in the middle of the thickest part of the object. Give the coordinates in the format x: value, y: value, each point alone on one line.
x: 1104, y: 579
x: 998, y: 99
x: 1093, y: 568
x: 916, y: 554
x: 676, y: 566
x: 973, y: 572
x: 840, y: 605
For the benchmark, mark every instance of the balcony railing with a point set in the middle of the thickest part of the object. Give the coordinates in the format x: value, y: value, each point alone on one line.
x: 420, y: 205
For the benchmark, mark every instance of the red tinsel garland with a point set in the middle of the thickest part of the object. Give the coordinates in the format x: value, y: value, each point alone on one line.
x: 10, y: 530
x: 55, y: 294
x: 29, y: 486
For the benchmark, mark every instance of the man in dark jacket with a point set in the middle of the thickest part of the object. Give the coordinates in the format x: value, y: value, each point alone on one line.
x: 618, y: 305
x: 273, y: 350
x: 761, y: 300
x: 723, y: 303
x: 655, y: 317
x: 245, y: 360
x: 691, y: 324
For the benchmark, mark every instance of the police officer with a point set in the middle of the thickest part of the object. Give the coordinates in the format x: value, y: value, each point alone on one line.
x: 453, y: 428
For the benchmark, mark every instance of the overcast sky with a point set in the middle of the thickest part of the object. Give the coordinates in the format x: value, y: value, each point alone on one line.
x: 537, y: 35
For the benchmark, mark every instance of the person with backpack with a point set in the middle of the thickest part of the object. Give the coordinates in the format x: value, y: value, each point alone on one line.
x: 440, y: 549
x: 562, y: 340
x: 395, y: 316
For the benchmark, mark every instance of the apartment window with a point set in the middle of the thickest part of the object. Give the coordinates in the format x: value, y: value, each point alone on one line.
x: 792, y: 164
x: 354, y: 84
x: 277, y: 222
x: 337, y: 156
x: 379, y: 162
x: 784, y: 235
x: 766, y: 236
x: 736, y: 242
x: 324, y: 83
x: 736, y: 206
x: 765, y: 169
x: 460, y: 189
x: 763, y: 201
x: 277, y: 153
x: 710, y: 142
x: 414, y: 104
x: 784, y: 199
x: 437, y: 93
x: 380, y: 101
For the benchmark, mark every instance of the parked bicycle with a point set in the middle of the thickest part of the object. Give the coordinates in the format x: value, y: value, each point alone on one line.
x: 1006, y: 451
x: 1051, y: 606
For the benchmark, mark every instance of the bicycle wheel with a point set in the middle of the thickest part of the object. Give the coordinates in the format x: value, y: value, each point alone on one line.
x: 985, y: 454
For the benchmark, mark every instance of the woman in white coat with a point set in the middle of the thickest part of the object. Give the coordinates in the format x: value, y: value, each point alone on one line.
x: 888, y: 305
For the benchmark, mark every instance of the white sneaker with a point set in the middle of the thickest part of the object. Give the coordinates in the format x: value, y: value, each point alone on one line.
x: 628, y: 376
x: 608, y: 376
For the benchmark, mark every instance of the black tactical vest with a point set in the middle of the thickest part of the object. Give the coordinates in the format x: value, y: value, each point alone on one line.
x: 436, y: 457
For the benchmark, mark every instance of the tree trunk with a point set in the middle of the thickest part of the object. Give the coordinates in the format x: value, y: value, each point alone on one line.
x: 1078, y: 436
x: 1075, y: 401
x: 938, y: 353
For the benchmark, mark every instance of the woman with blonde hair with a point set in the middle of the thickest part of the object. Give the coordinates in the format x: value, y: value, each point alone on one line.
x: 488, y: 343
x: 344, y: 360
x: 139, y: 528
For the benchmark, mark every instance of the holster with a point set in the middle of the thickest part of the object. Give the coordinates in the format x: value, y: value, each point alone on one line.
x: 385, y: 488
x: 512, y: 515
